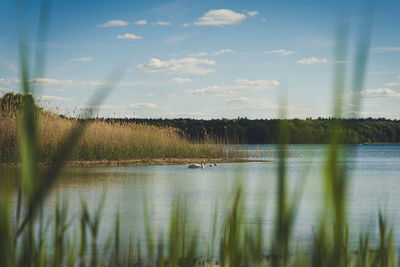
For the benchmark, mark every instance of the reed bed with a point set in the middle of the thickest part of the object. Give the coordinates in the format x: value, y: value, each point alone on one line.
x: 101, y: 140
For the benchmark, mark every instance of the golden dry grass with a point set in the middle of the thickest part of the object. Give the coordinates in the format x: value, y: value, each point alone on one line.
x: 101, y: 140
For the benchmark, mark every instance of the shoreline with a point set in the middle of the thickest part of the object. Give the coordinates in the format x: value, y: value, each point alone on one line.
x: 146, y: 162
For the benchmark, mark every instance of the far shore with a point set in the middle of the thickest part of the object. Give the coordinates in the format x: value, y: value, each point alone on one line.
x: 149, y: 162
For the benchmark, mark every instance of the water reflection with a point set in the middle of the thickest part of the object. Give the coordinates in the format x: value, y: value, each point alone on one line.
x: 374, y: 184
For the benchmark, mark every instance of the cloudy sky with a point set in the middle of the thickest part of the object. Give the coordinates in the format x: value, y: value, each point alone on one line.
x: 204, y: 59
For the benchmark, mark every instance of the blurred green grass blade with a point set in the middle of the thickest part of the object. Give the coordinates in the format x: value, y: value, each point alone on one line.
x: 361, y: 56
x: 282, y: 224
x: 83, y: 238
x: 36, y: 188
x: 286, y: 210
x: 339, y: 81
x: 213, y: 231
x: 232, y: 249
x: 335, y: 178
x: 117, y: 238
x: 43, y: 31
x: 66, y: 148
x: 148, y: 231
x: 28, y: 146
x: 6, y: 238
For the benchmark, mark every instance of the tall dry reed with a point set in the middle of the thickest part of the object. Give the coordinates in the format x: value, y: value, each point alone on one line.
x: 101, y: 140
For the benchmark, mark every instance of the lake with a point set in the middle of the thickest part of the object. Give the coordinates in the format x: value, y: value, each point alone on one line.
x: 374, y: 184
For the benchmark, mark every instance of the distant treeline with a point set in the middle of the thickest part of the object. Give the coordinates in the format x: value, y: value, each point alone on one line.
x: 263, y: 131
x: 245, y: 131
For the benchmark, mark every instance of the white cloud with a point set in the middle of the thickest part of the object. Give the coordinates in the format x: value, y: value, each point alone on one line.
x: 113, y: 23
x: 81, y: 59
x: 53, y: 98
x: 6, y: 81
x: 217, y: 17
x: 137, y: 106
x: 68, y: 82
x: 130, y: 36
x: 253, y: 104
x: 280, y: 52
x: 252, y: 13
x: 144, y: 106
x: 6, y: 90
x: 240, y: 86
x: 375, y: 93
x: 244, y: 103
x: 392, y: 84
x: 52, y: 82
x: 161, y: 23
x: 223, y: 51
x: 10, y: 66
x: 123, y: 107
x: 387, y: 49
x: 371, y: 104
x: 200, y: 54
x: 110, y: 107
x: 180, y: 80
x: 185, y: 25
x: 247, y: 53
x: 263, y: 19
x: 182, y: 115
x: 257, y: 84
x: 177, y: 38
x: 367, y: 103
x: 150, y: 95
x: 340, y: 61
x: 141, y: 22
x: 92, y: 83
x: 188, y: 65
x: 313, y: 60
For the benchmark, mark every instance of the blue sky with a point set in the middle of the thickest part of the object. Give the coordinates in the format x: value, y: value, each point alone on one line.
x: 204, y: 59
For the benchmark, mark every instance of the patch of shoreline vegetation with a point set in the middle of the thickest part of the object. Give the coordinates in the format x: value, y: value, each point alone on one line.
x: 101, y: 140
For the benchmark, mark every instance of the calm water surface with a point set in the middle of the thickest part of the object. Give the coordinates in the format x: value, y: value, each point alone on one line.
x: 374, y: 185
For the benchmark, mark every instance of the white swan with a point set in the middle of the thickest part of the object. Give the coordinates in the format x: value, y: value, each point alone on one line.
x: 196, y: 166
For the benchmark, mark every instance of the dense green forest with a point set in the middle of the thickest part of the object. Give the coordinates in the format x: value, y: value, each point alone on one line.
x: 264, y: 131
x: 260, y: 131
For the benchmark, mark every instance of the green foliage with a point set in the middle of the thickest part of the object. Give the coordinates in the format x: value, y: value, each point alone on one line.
x: 13, y: 102
x: 265, y: 131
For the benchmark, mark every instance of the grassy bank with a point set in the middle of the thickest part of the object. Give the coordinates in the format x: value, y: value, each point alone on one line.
x: 100, y: 141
